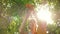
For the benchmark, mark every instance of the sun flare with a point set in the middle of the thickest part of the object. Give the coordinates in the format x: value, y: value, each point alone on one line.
x: 44, y: 14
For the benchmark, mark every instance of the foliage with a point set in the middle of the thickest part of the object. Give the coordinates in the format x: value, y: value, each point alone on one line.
x: 11, y: 12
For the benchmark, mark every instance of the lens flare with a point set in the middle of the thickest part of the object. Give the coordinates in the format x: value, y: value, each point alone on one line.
x: 44, y: 13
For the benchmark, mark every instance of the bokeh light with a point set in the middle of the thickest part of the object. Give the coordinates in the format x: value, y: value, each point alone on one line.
x: 44, y: 14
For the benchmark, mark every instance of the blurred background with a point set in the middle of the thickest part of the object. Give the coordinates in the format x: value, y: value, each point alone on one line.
x: 16, y: 14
